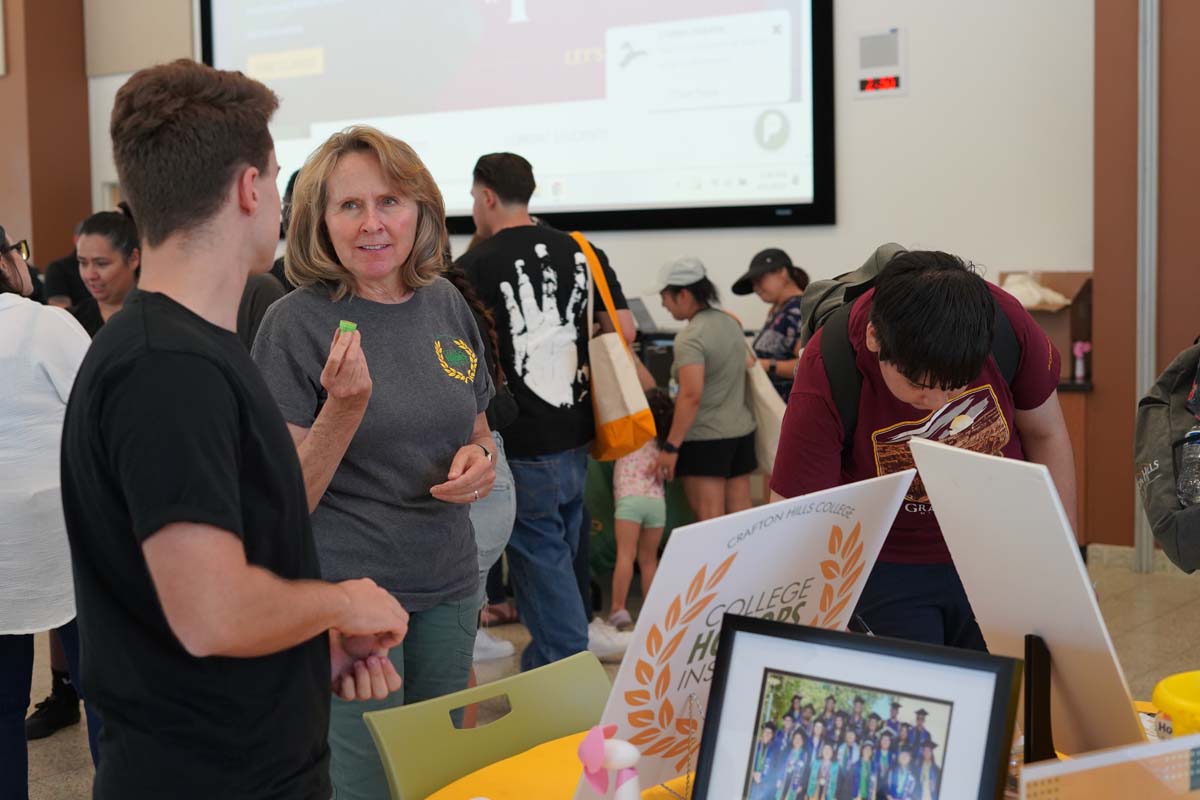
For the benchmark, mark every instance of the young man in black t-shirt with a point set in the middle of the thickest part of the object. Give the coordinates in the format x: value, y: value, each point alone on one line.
x: 535, y: 281
x: 209, y: 644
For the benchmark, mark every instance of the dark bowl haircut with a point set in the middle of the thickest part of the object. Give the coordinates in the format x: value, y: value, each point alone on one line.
x: 934, y: 317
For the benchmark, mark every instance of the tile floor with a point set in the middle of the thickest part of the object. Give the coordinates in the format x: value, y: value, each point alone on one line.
x: 1151, y: 617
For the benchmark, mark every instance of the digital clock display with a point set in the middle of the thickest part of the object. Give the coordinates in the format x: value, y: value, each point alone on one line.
x: 880, y: 84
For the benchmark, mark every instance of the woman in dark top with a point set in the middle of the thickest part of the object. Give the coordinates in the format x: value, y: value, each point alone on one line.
x: 779, y: 283
x: 492, y: 517
x: 109, y: 259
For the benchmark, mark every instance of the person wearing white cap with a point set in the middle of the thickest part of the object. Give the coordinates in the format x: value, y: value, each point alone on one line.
x: 711, y: 441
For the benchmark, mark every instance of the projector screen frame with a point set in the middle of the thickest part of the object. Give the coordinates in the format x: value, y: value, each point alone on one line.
x: 821, y: 211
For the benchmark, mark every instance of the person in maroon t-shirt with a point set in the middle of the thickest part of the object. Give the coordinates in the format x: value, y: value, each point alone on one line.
x: 922, y: 340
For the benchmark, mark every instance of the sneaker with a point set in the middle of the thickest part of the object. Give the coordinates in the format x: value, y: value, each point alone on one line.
x: 56, y: 712
x: 606, y: 642
x: 488, y: 647
x: 621, y: 620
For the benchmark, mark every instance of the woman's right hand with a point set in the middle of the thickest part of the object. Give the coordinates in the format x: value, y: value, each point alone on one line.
x: 346, y: 377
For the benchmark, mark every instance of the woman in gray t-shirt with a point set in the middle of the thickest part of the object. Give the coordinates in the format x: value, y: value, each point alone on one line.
x: 388, y: 421
x: 711, y: 442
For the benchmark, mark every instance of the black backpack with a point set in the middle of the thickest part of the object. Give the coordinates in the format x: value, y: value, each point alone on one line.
x: 1163, y: 419
x: 827, y: 304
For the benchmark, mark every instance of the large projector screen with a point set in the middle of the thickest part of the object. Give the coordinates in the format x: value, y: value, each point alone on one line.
x: 634, y: 114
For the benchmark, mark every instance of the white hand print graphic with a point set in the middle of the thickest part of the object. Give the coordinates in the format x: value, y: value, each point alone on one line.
x: 544, y: 339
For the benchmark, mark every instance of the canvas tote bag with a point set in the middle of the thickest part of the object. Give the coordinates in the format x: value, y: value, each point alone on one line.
x: 768, y: 408
x: 623, y: 419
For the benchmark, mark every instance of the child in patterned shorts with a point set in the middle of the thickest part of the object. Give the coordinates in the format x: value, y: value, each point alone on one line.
x: 641, y: 511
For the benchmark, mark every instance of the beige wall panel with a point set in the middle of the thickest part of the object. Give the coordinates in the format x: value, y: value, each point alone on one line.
x: 126, y: 35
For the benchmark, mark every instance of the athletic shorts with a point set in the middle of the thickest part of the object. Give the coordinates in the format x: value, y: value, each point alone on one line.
x: 649, y: 512
x: 718, y: 458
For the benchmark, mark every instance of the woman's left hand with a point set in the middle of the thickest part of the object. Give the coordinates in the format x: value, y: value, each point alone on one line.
x: 471, y: 476
x: 665, y: 465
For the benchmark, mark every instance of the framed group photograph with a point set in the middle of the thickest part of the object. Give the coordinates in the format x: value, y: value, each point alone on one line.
x: 799, y: 713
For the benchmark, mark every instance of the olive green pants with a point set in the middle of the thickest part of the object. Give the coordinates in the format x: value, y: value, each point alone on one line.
x: 434, y: 660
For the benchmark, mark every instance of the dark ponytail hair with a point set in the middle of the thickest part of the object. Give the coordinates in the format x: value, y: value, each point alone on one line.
x: 703, y: 290
x: 663, y: 411
x: 115, y: 226
x: 798, y: 276
x: 461, y: 282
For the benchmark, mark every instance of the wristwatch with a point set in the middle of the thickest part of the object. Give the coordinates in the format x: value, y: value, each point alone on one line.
x: 771, y: 365
x: 667, y: 447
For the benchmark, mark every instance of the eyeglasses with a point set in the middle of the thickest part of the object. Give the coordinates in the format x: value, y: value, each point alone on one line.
x: 21, y: 247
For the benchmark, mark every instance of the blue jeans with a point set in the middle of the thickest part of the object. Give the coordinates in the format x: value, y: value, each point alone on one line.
x: 921, y: 603
x: 492, y: 518
x: 541, y: 553
x: 16, y: 674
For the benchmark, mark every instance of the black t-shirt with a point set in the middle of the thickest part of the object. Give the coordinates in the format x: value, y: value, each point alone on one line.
x: 169, y: 421
x: 89, y: 316
x: 260, y: 292
x: 543, y: 345
x: 63, y: 280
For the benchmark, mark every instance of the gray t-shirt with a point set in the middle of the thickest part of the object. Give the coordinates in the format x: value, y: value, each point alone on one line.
x: 378, y: 519
x: 714, y: 339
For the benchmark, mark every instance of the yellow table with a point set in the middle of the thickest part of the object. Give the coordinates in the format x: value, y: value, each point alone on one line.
x: 549, y: 771
x: 552, y: 771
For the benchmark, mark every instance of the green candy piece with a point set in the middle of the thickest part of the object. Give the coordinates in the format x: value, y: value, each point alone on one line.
x: 345, y: 326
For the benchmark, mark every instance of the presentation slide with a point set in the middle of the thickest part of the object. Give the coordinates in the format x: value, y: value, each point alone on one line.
x: 618, y: 104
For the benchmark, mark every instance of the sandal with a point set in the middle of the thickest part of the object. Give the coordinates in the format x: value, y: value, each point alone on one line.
x: 498, y: 614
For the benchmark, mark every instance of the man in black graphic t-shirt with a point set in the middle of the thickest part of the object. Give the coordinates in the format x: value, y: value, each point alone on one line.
x: 535, y: 281
x: 209, y: 644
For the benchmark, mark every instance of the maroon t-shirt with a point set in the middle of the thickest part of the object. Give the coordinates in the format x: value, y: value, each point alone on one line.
x: 980, y: 419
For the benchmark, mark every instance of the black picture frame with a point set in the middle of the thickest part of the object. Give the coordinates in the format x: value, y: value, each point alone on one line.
x: 821, y: 211
x: 1007, y: 671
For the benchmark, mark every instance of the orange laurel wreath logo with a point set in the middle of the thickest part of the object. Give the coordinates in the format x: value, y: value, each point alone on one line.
x: 845, y: 567
x: 662, y: 733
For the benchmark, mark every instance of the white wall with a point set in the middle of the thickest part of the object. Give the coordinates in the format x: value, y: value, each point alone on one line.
x: 989, y: 154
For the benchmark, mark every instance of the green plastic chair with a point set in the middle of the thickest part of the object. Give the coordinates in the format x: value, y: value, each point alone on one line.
x: 422, y: 751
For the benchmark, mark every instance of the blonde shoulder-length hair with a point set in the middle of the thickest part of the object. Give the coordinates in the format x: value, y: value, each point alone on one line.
x: 310, y: 258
